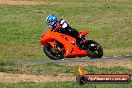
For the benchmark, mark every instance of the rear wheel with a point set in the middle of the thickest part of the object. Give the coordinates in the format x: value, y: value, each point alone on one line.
x: 53, y: 53
x: 95, y: 49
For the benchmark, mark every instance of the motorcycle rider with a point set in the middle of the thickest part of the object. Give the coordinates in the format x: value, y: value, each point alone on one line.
x: 62, y: 26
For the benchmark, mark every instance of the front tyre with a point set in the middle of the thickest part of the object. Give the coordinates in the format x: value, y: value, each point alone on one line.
x: 54, y: 54
x: 95, y: 49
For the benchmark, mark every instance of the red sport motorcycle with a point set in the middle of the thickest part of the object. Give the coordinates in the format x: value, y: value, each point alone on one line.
x: 58, y: 46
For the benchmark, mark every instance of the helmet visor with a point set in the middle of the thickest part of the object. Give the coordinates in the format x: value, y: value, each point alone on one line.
x: 49, y: 22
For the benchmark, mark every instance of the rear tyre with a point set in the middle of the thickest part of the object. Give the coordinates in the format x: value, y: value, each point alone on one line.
x: 53, y: 54
x: 95, y: 49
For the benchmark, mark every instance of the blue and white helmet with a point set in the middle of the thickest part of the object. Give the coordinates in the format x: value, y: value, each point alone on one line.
x: 51, y: 20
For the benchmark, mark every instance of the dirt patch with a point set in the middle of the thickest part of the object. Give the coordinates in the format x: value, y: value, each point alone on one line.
x: 26, y: 2
x: 105, y: 63
x: 14, y: 78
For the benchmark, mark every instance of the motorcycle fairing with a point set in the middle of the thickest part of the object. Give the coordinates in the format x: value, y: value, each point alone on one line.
x: 71, y: 49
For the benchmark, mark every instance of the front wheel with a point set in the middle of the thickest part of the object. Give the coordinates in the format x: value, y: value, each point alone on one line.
x: 95, y: 49
x: 53, y: 53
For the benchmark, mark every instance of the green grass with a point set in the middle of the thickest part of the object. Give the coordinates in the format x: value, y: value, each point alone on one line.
x: 64, y: 85
x: 109, y: 23
x: 57, y: 69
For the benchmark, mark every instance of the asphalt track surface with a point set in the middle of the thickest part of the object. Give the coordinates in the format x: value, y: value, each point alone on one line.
x: 77, y: 60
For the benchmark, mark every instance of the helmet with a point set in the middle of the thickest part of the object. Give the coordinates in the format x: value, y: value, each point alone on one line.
x: 51, y: 20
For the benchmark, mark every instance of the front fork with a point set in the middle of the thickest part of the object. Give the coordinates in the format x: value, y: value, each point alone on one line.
x: 56, y: 47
